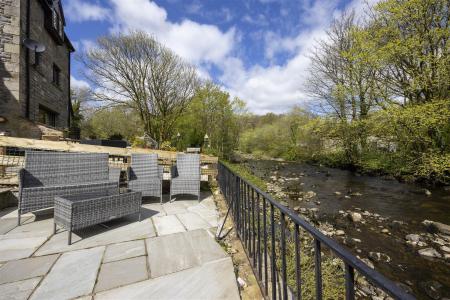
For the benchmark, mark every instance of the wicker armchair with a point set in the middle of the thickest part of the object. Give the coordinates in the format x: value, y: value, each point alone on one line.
x: 145, y: 175
x: 185, y: 175
x: 49, y: 174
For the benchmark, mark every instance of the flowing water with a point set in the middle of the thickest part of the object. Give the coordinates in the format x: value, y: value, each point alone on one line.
x: 396, y: 207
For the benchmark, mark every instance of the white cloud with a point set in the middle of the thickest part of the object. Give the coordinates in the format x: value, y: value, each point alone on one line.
x: 270, y: 87
x: 278, y: 87
x: 77, y: 83
x: 79, y: 11
x: 198, y: 43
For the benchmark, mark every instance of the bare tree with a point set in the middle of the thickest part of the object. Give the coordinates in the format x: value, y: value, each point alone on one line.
x: 135, y: 70
x: 340, y: 77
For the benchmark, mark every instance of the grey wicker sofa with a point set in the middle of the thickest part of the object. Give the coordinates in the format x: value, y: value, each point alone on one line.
x: 49, y: 174
x: 185, y: 175
x: 145, y: 175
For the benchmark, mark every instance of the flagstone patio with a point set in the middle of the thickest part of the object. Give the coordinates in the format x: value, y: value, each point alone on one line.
x: 170, y: 254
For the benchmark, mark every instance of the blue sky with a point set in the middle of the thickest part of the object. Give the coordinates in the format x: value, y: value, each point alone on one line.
x: 255, y: 49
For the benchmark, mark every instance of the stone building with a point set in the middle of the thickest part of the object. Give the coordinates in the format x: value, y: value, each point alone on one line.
x: 34, y: 87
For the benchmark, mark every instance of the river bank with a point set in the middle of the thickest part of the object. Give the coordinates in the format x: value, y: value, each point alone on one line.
x: 380, y: 220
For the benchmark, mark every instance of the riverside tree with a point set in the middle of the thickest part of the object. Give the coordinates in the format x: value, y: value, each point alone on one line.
x: 214, y: 113
x: 136, y: 71
x: 341, y: 79
x: 409, y: 40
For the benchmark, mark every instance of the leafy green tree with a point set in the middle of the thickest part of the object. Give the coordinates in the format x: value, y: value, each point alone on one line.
x: 409, y: 40
x: 112, y: 122
x: 211, y: 112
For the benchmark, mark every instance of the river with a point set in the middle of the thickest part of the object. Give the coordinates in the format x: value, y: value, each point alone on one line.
x: 390, y: 210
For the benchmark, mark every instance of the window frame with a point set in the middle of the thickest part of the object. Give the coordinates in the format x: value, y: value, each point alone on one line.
x: 47, y: 116
x: 56, y: 75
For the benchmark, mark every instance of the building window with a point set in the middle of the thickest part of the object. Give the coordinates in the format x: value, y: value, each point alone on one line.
x: 47, y: 116
x: 56, y: 75
x: 55, y: 20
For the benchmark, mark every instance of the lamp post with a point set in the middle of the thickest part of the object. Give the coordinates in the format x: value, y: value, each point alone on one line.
x: 178, y: 140
x: 206, y: 140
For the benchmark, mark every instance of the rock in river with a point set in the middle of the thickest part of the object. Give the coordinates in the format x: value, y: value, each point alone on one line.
x: 413, y: 238
x: 309, y: 194
x: 437, y: 227
x: 377, y: 256
x: 430, y: 252
x: 355, y: 217
x: 340, y: 232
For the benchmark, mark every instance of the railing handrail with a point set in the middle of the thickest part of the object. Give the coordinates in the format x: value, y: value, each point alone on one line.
x: 372, y: 275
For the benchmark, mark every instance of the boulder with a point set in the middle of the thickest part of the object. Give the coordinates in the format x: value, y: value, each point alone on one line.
x: 432, y: 289
x: 355, y: 217
x: 430, y: 252
x: 377, y: 256
x: 413, y: 238
x: 437, y: 227
x: 309, y: 194
x: 445, y: 249
x: 340, y: 232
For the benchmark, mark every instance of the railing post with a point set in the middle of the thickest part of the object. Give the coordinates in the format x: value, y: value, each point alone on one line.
x: 298, y: 262
x: 266, y: 266
x: 318, y: 268
x: 349, y: 282
x: 253, y: 228
x: 283, y: 255
x: 272, y: 258
x: 259, y: 236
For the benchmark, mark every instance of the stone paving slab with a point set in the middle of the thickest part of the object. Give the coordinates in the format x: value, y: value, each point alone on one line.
x: 176, y: 252
x: 124, y: 250
x: 20, y: 245
x: 214, y: 280
x: 121, y: 231
x: 209, y: 203
x: 193, y: 221
x: 19, y: 290
x: 73, y: 275
x: 213, y: 221
x: 154, y: 209
x: 207, y: 214
x: 167, y: 225
x: 32, y: 226
x: 17, y: 270
x: 120, y: 273
x: 7, y: 225
x: 175, y: 207
x: 202, y: 210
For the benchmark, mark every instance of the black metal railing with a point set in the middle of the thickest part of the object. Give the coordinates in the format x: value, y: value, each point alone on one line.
x: 265, y: 229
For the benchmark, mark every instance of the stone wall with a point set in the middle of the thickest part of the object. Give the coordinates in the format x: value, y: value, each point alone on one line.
x: 13, y: 71
x: 43, y: 91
